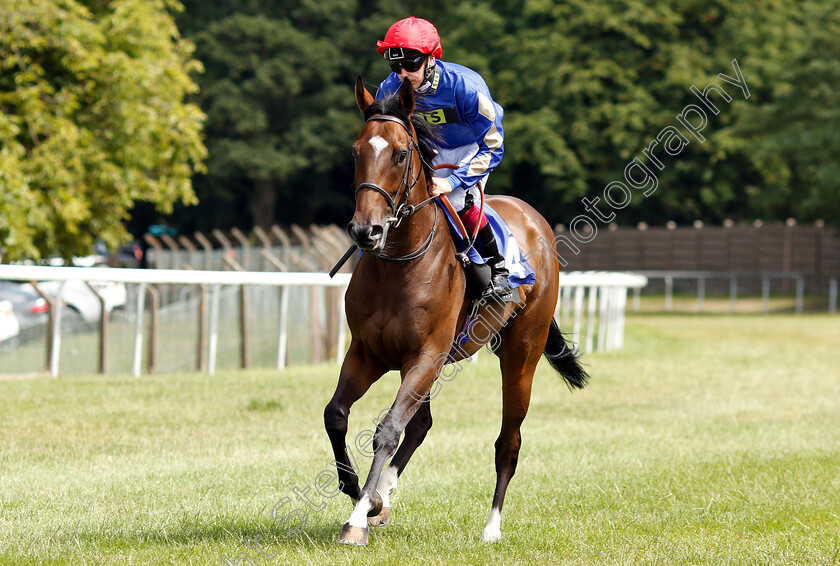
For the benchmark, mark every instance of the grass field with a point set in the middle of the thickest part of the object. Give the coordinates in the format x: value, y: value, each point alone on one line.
x: 707, y: 440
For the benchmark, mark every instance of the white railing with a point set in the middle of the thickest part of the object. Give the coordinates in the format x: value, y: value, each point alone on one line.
x: 213, y: 279
x: 605, y: 294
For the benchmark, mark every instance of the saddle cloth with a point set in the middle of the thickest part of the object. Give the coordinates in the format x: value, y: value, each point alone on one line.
x: 521, y: 273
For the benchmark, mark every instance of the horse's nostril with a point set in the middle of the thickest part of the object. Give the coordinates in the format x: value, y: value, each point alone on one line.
x: 365, y: 235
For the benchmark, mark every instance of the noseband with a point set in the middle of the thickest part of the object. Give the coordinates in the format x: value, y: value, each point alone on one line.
x: 401, y: 210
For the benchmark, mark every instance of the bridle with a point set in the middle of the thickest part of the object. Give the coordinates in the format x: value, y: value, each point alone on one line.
x: 400, y: 208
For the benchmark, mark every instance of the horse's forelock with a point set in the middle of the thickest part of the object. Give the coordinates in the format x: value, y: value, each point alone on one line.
x: 427, y: 133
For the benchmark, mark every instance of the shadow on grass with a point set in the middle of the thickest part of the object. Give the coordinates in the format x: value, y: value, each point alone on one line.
x: 232, y: 536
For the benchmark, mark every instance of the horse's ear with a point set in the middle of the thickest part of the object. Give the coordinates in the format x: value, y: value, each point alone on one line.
x: 363, y: 97
x: 407, y: 96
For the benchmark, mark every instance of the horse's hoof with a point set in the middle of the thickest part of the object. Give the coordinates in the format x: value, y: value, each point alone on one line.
x: 377, y: 505
x: 382, y: 519
x: 356, y: 536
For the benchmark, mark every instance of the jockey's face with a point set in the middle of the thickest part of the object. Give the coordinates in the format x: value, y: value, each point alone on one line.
x: 416, y: 77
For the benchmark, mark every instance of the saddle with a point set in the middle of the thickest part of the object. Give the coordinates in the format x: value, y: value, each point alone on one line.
x: 476, y: 268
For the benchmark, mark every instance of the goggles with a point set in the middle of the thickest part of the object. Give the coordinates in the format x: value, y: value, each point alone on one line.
x: 411, y: 65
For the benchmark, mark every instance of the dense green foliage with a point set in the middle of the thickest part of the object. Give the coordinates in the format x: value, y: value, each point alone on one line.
x: 92, y: 119
x: 586, y: 87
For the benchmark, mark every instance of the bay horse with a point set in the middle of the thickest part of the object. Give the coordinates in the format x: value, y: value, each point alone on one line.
x: 406, y: 302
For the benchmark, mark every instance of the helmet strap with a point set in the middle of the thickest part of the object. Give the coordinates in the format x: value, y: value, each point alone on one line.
x: 427, y: 77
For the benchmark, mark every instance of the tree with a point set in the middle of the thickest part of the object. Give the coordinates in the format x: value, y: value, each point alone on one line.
x: 586, y: 87
x: 278, y: 93
x: 92, y: 120
x: 277, y: 115
x: 795, y: 136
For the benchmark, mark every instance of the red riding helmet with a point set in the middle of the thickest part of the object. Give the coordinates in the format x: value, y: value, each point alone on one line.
x: 412, y: 33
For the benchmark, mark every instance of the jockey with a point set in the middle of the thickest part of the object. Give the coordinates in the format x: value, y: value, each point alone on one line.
x: 457, y: 99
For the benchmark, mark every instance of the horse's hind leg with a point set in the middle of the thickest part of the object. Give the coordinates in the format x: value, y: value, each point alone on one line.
x: 415, y: 433
x: 518, y: 360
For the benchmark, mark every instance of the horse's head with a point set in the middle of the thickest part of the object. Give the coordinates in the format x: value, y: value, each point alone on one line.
x: 388, y: 166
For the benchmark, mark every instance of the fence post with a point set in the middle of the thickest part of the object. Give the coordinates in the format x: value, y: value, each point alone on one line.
x: 229, y: 253
x: 103, y: 330
x: 621, y: 305
x: 590, y: 320
x: 669, y: 293
x: 603, y: 317
x: 55, y: 352
x: 733, y: 293
x: 283, y: 338
x: 51, y: 314
x: 578, y: 316
x: 266, y: 244
x: 154, y: 327
x: 765, y: 294
x: 614, y: 316
x: 138, y: 330
x: 285, y: 242
x: 800, y: 294
x: 832, y: 295
x: 342, y: 327
x: 201, y: 360
x: 567, y: 304
x: 175, y: 260
x: 244, y: 358
x: 208, y: 250
x: 213, y: 344
x: 190, y: 247
x: 156, y: 246
x: 245, y: 245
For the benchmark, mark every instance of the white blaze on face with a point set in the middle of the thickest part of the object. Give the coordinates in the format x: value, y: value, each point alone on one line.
x: 378, y: 143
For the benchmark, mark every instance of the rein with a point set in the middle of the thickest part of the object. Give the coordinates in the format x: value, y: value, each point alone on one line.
x: 401, y: 210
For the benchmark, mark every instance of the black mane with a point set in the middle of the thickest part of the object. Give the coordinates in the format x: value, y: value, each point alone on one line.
x: 427, y: 133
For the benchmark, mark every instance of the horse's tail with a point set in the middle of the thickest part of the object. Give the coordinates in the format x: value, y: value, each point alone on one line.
x: 563, y: 358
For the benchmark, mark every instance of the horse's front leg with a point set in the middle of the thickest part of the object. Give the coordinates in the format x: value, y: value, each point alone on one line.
x: 414, y: 390
x: 358, y: 373
x: 415, y: 433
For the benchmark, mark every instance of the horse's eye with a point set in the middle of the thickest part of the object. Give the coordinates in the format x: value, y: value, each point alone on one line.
x: 401, y: 157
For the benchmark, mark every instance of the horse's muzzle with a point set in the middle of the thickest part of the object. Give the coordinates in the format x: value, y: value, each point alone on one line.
x: 367, y: 236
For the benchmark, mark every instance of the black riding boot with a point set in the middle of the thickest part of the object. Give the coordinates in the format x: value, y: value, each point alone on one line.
x: 499, y: 286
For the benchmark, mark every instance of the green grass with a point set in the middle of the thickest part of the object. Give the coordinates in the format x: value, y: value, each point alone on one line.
x: 706, y: 440
x: 746, y: 303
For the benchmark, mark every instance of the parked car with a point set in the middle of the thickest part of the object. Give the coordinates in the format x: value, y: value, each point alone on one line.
x: 129, y: 255
x: 78, y: 296
x: 32, y: 311
x: 9, y: 324
x: 29, y: 307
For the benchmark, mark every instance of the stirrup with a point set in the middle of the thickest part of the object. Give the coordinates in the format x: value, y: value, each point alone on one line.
x: 497, y: 289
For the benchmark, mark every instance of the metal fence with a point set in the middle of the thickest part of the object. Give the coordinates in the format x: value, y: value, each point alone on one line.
x: 231, y: 319
x: 811, y: 252
x: 222, y: 319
